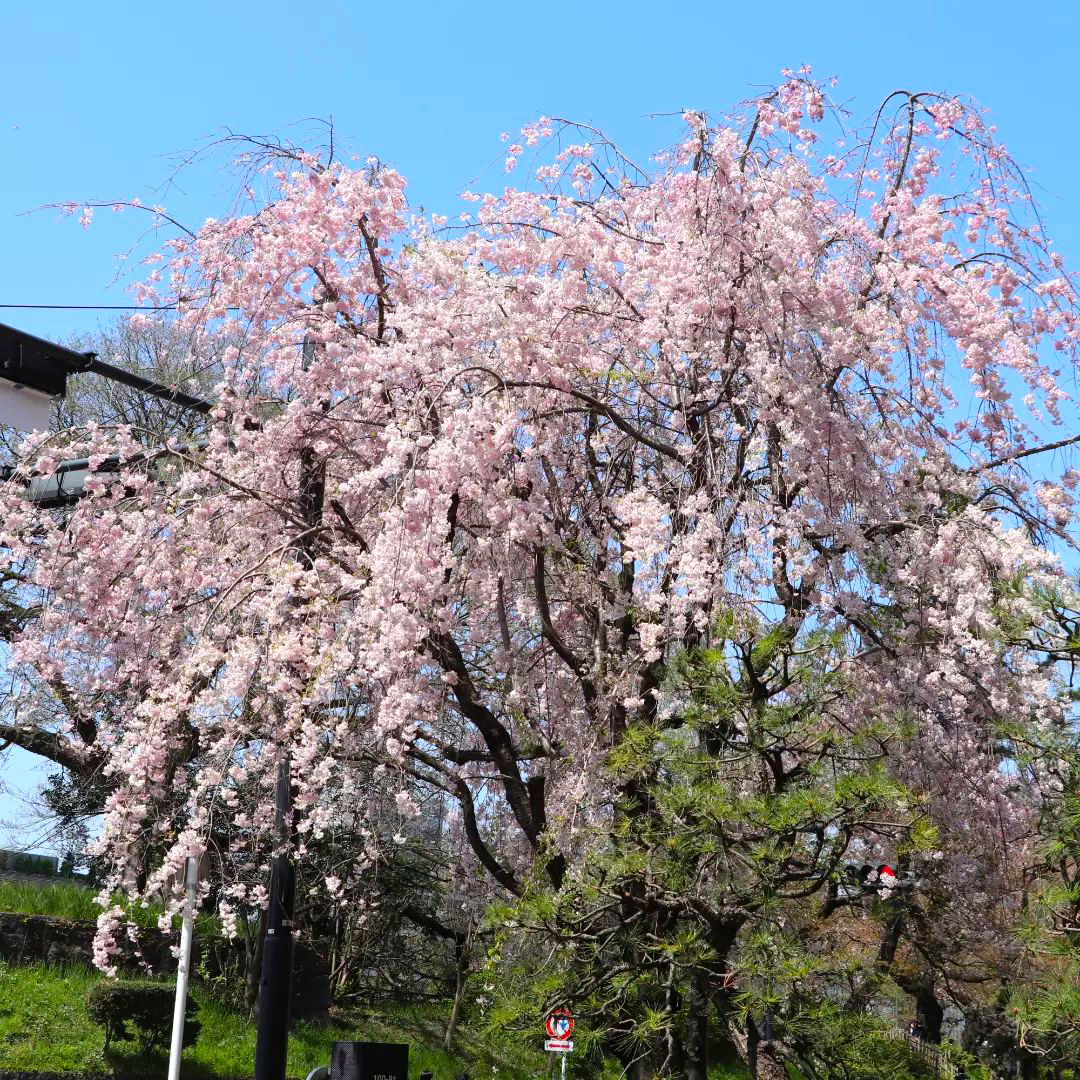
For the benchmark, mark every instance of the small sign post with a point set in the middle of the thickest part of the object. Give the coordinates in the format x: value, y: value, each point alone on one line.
x: 559, y: 1026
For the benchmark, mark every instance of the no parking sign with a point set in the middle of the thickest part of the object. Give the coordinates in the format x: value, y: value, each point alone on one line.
x: 559, y: 1027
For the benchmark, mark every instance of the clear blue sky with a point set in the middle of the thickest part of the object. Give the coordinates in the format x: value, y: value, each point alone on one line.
x: 94, y: 98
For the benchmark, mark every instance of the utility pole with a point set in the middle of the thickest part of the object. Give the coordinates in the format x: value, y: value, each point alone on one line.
x: 275, y: 984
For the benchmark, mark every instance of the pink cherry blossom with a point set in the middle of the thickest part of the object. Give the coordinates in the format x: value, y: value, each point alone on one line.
x: 754, y: 383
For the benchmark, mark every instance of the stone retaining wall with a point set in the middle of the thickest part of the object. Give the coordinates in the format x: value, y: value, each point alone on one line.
x: 23, y: 1074
x: 29, y: 939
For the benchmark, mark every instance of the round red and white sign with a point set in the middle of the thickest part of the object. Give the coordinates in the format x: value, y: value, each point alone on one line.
x: 560, y: 1024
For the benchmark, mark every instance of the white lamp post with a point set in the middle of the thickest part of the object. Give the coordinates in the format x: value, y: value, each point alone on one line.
x: 183, y: 970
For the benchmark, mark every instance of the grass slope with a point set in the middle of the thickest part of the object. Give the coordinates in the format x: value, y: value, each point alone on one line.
x: 44, y: 1028
x: 69, y: 900
x: 64, y: 899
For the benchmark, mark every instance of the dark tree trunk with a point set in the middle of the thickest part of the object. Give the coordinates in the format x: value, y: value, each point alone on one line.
x: 253, y: 943
x: 697, y: 1028
x: 758, y: 1055
x: 929, y: 1013
x: 618, y: 1046
x: 461, y: 968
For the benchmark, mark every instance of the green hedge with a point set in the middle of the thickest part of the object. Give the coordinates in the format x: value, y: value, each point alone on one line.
x: 139, y: 1011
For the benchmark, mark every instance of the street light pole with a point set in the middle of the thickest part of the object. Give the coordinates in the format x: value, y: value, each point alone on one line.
x: 41, y: 367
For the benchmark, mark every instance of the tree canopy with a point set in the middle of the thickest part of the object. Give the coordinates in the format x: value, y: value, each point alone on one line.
x: 675, y: 525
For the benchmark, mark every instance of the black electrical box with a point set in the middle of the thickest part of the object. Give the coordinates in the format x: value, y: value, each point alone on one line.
x: 369, y: 1061
x: 30, y: 361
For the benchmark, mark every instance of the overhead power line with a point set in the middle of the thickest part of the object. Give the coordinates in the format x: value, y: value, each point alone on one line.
x: 89, y: 307
x: 97, y: 307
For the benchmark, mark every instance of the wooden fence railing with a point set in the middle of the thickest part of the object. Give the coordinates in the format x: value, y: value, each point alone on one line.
x: 936, y: 1057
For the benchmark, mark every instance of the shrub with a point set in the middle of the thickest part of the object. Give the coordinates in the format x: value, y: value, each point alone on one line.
x: 139, y: 1011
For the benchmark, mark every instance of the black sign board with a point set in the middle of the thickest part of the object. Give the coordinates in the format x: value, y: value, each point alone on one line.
x: 369, y: 1061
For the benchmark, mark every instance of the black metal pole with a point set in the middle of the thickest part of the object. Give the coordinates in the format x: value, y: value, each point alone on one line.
x: 275, y: 984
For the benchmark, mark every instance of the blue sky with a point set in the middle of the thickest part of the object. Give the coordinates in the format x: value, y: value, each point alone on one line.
x: 95, y: 98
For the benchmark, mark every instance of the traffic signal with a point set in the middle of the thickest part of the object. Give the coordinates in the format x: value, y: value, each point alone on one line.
x: 878, y: 879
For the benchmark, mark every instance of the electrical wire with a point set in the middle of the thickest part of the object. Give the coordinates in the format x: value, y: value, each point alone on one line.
x: 90, y: 307
x: 99, y: 307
